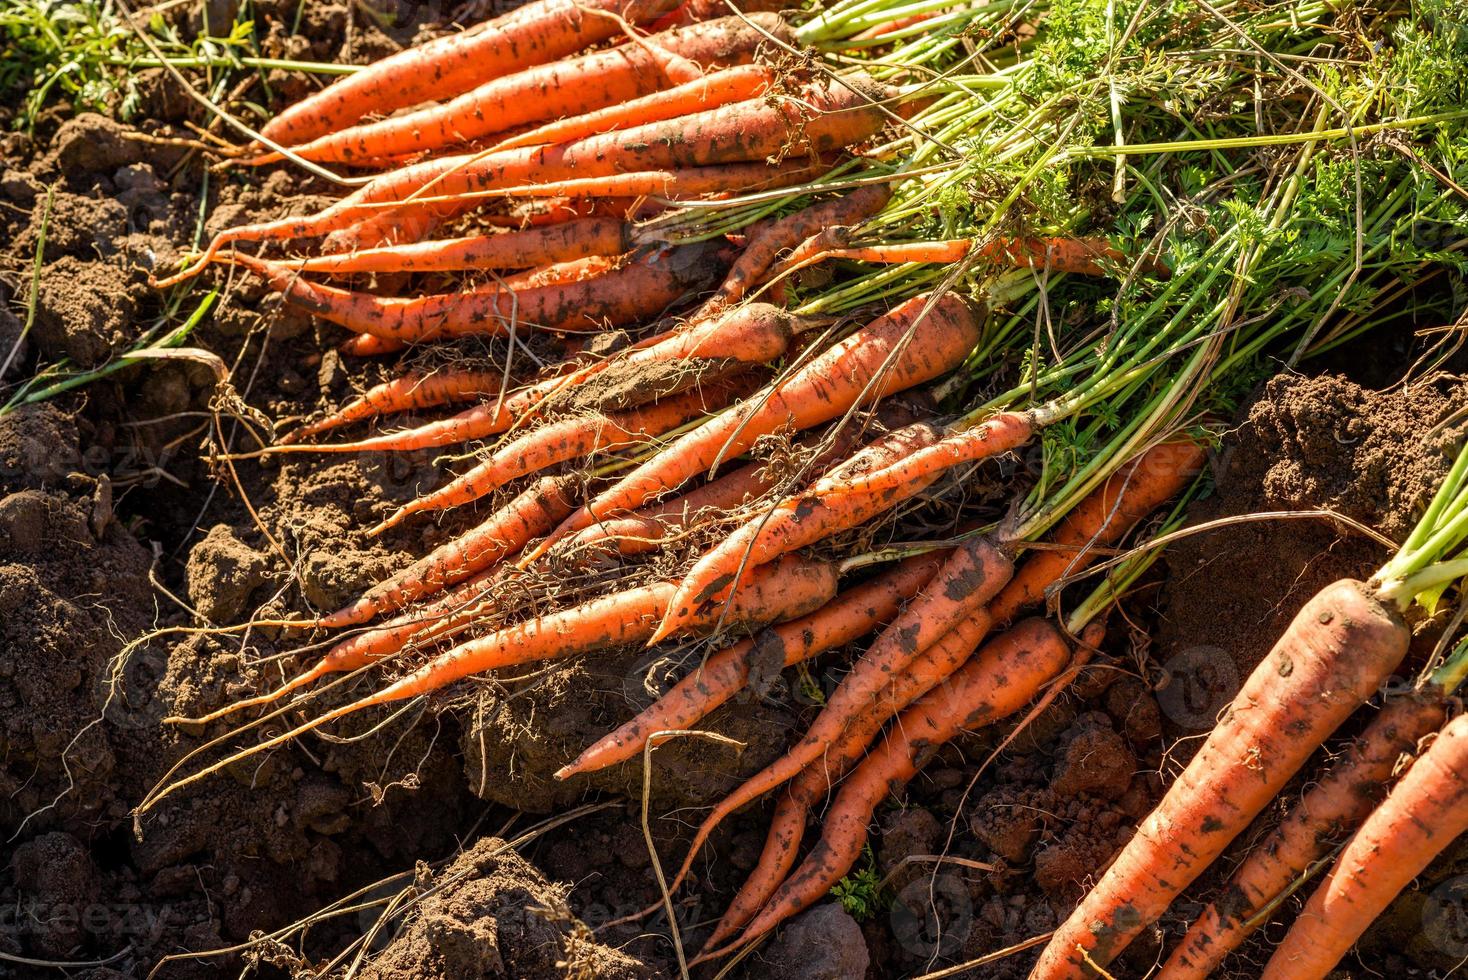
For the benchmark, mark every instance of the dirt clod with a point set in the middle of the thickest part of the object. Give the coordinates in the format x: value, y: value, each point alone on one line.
x: 823, y: 944
x: 91, y: 143
x: 83, y: 310
x: 494, y: 917
x: 223, y: 574
x: 1095, y: 761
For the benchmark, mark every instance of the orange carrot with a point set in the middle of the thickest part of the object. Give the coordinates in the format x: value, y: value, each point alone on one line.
x: 1077, y: 256
x: 999, y: 434
x: 684, y: 183
x: 788, y: 589
x: 708, y: 92
x: 851, y: 615
x: 766, y: 242
x: 450, y: 614
x: 507, y: 250
x: 569, y: 89
x: 561, y: 273
x: 698, y: 11
x: 532, y: 512
x: 534, y: 34
x: 380, y: 227
x: 541, y: 213
x: 874, y: 689
x: 492, y: 416
x: 907, y: 347
x: 366, y: 345
x: 644, y: 529
x: 1334, y: 655
x: 819, y: 118
x: 1422, y: 815
x: 534, y: 212
x: 619, y: 196
x: 973, y: 574
x: 995, y: 684
x: 563, y: 440
x: 641, y: 289
x: 751, y: 335
x: 1337, y: 802
x: 411, y: 391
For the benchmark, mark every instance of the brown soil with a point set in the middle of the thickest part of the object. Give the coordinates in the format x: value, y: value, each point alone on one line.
x: 98, y: 546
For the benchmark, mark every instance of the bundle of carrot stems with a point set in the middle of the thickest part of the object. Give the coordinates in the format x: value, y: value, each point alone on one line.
x: 851, y: 256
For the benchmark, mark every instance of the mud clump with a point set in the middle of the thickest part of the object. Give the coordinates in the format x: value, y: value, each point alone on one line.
x: 492, y: 915
x: 1095, y: 761
x: 823, y: 944
x: 89, y: 143
x: 84, y: 310
x: 223, y: 573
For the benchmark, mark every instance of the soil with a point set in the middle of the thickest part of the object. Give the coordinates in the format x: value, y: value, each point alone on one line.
x: 113, y: 524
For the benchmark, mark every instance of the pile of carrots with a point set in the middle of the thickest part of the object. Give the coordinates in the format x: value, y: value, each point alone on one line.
x: 545, y: 146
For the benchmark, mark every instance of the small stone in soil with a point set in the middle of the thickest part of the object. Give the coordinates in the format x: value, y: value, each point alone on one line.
x: 823, y: 944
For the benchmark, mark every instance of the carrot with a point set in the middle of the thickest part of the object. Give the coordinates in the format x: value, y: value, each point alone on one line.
x: 820, y: 118
x: 492, y: 416
x: 852, y: 614
x: 767, y: 241
x: 789, y: 589
x: 753, y: 334
x: 366, y: 345
x: 507, y: 250
x: 999, y: 681
x: 532, y: 512
x: 622, y: 196
x: 641, y: 289
x: 671, y: 65
x: 1422, y: 815
x: 776, y: 858
x: 535, y: 213
x: 411, y: 391
x: 451, y: 613
x: 1337, y: 802
x: 683, y: 183
x: 1333, y: 656
x: 541, y: 213
x: 383, y: 227
x: 975, y: 571
x: 569, y: 90
x: 644, y: 529
x: 999, y: 434
x: 534, y: 34
x: 876, y: 686
x: 697, y: 11
x: 562, y: 440
x: 786, y: 590
x: 708, y: 92
x: 907, y: 347
x: 801, y: 520
x: 1077, y: 256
